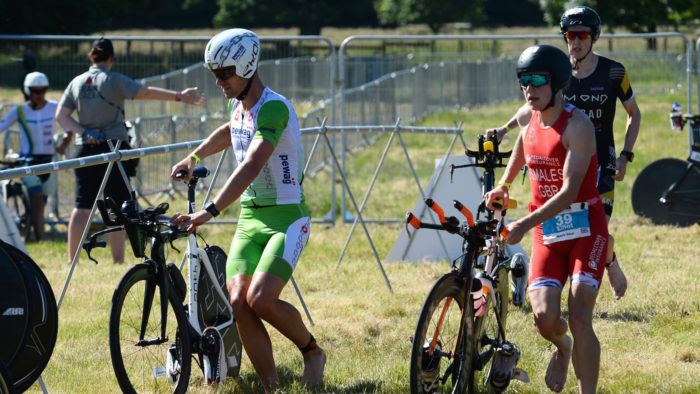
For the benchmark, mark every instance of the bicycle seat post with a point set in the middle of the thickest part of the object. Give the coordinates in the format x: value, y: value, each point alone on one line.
x: 191, y: 186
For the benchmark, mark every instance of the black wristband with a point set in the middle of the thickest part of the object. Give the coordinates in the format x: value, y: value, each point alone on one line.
x: 628, y: 155
x: 211, y: 208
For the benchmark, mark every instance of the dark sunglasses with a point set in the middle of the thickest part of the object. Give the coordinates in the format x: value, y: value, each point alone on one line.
x: 224, y: 73
x: 536, y: 80
x: 38, y: 91
x: 582, y: 35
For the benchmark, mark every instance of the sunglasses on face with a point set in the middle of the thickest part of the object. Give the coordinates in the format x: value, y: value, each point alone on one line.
x: 224, y: 73
x: 38, y: 91
x: 536, y: 80
x: 582, y: 35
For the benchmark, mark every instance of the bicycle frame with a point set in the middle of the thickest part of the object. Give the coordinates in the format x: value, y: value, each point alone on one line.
x: 198, y: 261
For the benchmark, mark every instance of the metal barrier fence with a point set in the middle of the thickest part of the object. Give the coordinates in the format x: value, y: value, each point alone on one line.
x: 381, y: 79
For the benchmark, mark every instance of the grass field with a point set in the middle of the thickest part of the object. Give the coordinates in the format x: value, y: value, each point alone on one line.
x: 650, y: 339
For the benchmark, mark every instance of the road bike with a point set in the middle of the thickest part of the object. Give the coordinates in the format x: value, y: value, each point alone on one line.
x: 667, y: 191
x: 16, y: 197
x: 460, y: 339
x: 153, y: 335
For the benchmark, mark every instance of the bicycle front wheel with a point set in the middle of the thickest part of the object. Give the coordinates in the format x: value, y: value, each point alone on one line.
x: 441, y: 353
x: 18, y: 204
x: 683, y: 205
x: 488, y: 333
x: 148, y: 363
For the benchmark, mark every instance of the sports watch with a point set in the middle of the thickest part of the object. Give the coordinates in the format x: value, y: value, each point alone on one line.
x: 629, y: 155
x: 211, y: 208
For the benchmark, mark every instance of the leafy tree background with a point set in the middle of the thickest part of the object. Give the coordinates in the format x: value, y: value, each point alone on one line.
x: 94, y: 16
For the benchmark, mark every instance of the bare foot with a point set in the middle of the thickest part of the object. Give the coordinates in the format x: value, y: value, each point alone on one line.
x: 617, y: 278
x: 558, y: 367
x: 314, y: 362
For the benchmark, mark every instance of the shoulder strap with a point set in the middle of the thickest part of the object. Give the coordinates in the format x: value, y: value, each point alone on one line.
x: 27, y: 131
x: 109, y: 102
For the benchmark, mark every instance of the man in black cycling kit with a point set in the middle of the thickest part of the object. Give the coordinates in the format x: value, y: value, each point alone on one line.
x: 596, y: 82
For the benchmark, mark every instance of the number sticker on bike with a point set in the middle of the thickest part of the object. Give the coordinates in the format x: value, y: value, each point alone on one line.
x: 571, y: 223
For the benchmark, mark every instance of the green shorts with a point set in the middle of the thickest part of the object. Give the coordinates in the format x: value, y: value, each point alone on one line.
x: 269, y: 239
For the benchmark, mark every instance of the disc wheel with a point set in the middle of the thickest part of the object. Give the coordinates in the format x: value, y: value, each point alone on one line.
x: 683, y: 205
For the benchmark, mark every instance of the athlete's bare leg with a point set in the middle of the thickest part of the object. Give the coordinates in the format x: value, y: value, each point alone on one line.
x: 586, y: 350
x: 255, y: 299
x: 546, y: 307
x: 617, y: 278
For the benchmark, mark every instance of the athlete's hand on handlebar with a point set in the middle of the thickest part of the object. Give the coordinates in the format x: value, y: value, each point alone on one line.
x: 499, y: 131
x: 186, y: 165
x: 497, y: 198
x: 191, y: 221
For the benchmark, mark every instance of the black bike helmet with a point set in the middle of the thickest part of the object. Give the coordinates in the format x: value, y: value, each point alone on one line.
x: 582, y: 16
x: 549, y: 59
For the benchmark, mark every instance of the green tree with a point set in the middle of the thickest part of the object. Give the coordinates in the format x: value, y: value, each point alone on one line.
x: 638, y: 16
x: 308, y: 15
x: 434, y: 14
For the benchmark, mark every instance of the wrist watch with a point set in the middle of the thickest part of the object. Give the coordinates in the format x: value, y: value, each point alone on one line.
x: 211, y: 208
x: 629, y: 155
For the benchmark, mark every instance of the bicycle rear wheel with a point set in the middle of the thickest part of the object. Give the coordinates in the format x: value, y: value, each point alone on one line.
x: 488, y: 334
x: 441, y: 353
x: 140, y: 363
x: 18, y: 204
x: 683, y: 207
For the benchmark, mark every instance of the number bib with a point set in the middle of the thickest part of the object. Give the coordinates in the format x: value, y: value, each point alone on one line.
x: 571, y: 223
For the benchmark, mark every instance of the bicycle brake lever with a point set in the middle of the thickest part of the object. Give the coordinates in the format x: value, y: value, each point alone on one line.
x: 88, y: 246
x: 173, y: 246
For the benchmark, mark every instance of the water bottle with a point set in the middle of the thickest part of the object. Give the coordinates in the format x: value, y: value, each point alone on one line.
x: 478, y: 298
x: 676, y: 117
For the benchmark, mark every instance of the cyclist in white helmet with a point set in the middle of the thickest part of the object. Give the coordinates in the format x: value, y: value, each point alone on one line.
x: 37, y: 126
x: 274, y: 223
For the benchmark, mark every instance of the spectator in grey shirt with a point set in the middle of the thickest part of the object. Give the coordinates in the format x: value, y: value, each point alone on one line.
x: 98, y: 97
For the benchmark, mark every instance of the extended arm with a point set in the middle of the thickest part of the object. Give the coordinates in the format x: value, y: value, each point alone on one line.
x: 520, y: 119
x: 634, y: 119
x: 187, y: 96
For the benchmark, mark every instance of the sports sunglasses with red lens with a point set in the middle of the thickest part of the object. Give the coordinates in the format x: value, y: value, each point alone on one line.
x: 582, y: 35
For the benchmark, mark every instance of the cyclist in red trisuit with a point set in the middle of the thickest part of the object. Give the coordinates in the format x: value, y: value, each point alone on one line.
x: 570, y: 235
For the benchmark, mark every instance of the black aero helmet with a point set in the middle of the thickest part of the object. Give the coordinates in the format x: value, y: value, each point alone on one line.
x: 549, y: 59
x: 582, y: 16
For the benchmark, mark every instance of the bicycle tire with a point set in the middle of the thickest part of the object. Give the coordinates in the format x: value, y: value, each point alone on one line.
x: 427, y: 374
x: 487, y: 332
x: 142, y: 368
x: 20, y: 210
x: 654, y: 180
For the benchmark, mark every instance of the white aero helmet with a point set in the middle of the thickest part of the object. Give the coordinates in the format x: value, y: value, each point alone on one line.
x: 35, y: 79
x: 239, y: 48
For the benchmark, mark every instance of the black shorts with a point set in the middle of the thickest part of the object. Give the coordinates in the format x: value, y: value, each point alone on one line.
x: 88, y: 179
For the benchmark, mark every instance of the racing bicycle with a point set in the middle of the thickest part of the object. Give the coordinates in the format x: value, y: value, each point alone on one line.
x: 460, y: 339
x: 667, y: 191
x: 153, y: 335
